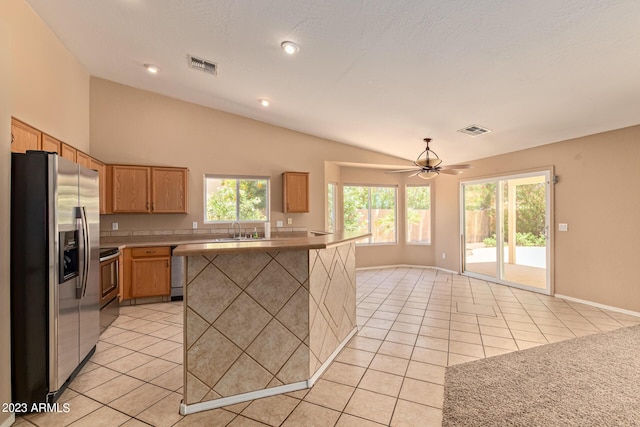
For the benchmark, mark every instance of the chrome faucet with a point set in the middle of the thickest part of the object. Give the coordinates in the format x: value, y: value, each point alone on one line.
x: 234, y: 230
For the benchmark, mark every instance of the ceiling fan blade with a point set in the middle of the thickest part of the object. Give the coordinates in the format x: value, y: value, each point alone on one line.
x: 465, y: 166
x: 450, y: 171
x: 414, y: 174
x: 405, y: 170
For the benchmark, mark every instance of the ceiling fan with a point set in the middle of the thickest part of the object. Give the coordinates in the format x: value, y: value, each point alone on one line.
x: 428, y: 165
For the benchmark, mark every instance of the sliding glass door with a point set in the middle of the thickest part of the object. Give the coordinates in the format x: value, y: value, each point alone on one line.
x: 505, y: 227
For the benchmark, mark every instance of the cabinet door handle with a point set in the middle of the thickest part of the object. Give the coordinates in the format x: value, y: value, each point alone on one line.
x: 147, y: 205
x: 167, y: 264
x: 151, y: 252
x: 153, y: 206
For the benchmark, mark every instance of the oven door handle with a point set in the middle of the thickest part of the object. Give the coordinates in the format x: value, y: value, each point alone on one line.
x: 110, y: 257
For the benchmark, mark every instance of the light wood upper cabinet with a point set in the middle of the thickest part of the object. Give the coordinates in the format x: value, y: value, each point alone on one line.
x: 97, y: 165
x: 169, y: 190
x: 146, y: 189
x: 295, y: 192
x: 129, y: 188
x: 83, y: 159
x: 68, y: 152
x: 24, y: 137
x: 50, y: 144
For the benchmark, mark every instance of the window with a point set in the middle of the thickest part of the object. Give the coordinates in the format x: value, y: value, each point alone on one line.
x: 231, y: 198
x: 331, y: 206
x: 419, y: 214
x: 372, y: 210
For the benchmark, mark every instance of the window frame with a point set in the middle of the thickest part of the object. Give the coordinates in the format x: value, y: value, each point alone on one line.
x: 406, y: 214
x: 335, y: 207
x: 367, y: 241
x: 238, y: 178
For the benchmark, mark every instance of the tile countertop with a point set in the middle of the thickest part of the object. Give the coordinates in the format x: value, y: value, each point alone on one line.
x: 314, y: 242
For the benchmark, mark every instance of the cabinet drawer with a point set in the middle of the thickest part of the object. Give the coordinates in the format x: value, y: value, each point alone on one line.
x: 154, y: 251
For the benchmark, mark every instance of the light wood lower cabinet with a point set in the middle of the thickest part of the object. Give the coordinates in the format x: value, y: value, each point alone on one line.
x: 147, y: 272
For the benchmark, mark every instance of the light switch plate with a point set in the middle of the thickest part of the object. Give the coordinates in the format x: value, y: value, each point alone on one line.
x: 289, y: 221
x: 563, y: 227
x: 114, y: 226
x: 195, y: 225
x: 279, y: 223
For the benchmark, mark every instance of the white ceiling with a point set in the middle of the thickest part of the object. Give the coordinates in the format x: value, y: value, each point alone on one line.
x: 380, y: 74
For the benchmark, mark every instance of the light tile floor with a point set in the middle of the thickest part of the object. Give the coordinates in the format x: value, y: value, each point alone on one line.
x: 413, y: 323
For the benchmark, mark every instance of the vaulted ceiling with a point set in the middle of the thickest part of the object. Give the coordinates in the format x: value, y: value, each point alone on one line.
x: 380, y: 74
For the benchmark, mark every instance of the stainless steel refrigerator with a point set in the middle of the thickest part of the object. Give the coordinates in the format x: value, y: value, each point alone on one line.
x: 54, y: 273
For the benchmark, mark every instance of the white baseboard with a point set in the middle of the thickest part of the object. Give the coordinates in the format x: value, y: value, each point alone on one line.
x: 311, y: 381
x: 380, y: 267
x: 239, y: 398
x: 598, y: 305
x: 9, y: 421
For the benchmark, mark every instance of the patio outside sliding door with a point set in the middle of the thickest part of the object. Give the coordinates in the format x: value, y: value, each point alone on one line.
x: 505, y: 228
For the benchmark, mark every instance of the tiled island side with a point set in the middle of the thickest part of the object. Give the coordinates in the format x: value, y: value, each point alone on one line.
x: 264, y: 317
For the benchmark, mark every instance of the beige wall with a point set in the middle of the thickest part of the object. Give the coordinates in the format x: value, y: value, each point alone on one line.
x: 42, y: 84
x: 133, y: 126
x: 50, y: 88
x: 595, y: 195
x: 5, y: 176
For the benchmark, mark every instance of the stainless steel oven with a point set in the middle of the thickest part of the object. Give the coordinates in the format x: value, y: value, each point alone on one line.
x: 109, y: 286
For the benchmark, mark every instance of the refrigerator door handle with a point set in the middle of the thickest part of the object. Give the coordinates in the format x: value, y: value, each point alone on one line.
x: 87, y: 249
x: 82, y: 289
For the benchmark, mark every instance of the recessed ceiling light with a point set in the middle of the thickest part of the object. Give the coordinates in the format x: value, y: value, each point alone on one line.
x: 153, y: 69
x: 264, y: 102
x: 290, y: 47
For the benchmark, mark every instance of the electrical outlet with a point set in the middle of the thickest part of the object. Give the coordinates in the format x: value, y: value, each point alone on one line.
x: 444, y: 256
x: 114, y: 226
x: 289, y: 221
x: 195, y: 225
x: 279, y: 224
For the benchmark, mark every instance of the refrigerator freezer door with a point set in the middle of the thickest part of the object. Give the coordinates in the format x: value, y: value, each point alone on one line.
x: 63, y: 310
x: 90, y: 301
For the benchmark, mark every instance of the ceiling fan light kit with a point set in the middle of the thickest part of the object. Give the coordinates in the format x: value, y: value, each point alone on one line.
x: 428, y: 175
x: 428, y: 164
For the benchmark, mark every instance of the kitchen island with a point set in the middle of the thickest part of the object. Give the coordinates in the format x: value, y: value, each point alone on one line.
x: 264, y: 317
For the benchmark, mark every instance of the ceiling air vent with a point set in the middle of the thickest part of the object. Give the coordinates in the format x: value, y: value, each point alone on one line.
x: 474, y: 130
x: 202, y: 65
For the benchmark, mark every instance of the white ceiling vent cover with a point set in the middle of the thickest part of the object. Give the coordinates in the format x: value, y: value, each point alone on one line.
x: 202, y: 65
x: 474, y: 130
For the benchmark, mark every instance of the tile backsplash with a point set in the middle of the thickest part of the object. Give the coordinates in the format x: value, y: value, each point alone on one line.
x: 279, y: 232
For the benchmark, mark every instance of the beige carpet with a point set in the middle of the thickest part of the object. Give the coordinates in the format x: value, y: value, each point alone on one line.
x: 587, y: 381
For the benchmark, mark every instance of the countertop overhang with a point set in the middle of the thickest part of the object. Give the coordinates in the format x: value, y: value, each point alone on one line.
x: 297, y: 243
